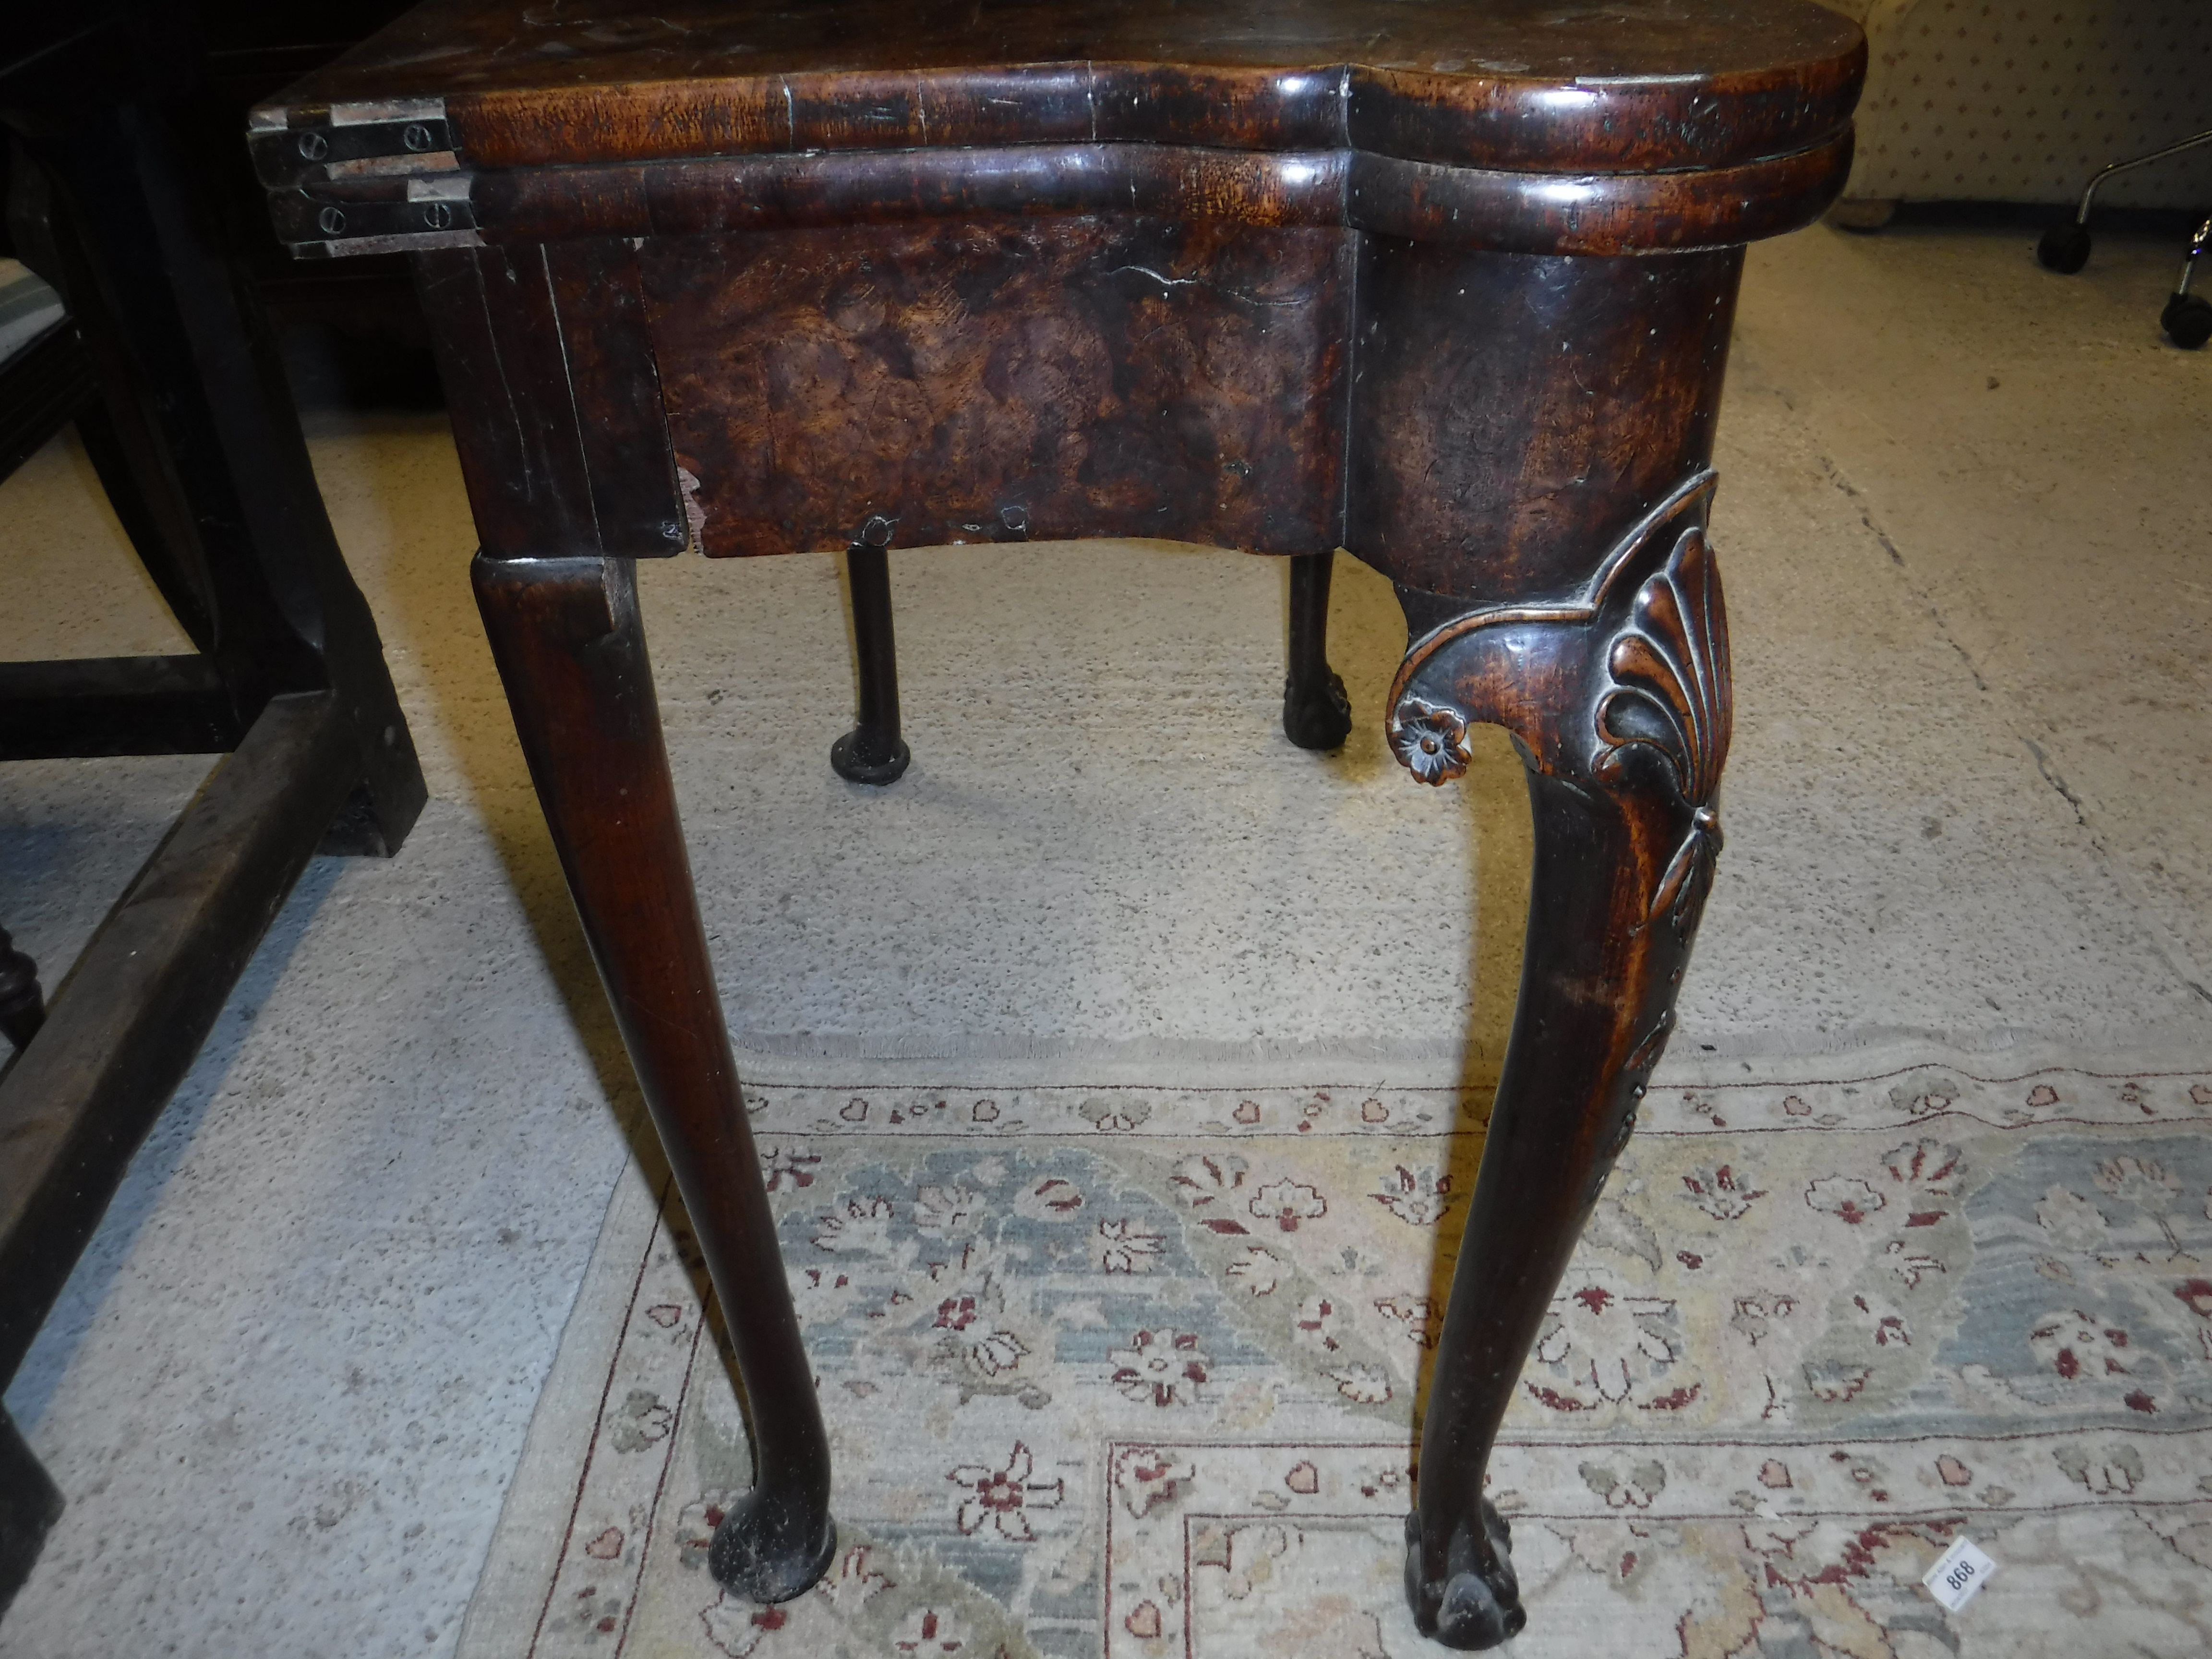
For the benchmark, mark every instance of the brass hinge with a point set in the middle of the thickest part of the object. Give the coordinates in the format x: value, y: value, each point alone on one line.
x: 362, y: 178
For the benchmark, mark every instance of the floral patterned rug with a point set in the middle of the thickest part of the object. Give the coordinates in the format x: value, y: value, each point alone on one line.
x: 1132, y: 1373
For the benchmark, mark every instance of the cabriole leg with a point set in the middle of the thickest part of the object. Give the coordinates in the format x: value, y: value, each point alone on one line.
x: 1623, y: 721
x: 567, y: 636
x: 1316, y: 714
x: 871, y: 752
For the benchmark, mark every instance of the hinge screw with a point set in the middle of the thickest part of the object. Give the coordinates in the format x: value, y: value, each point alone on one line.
x: 332, y: 221
x: 876, y: 529
x: 671, y: 530
x: 417, y: 137
x: 437, y: 215
x: 315, y: 146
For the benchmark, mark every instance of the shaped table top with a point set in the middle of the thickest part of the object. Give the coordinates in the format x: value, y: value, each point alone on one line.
x: 1545, y: 86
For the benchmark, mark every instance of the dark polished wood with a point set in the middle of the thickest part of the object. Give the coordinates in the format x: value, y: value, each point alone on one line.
x: 82, y: 1096
x: 945, y: 375
x: 1498, y: 463
x: 199, y: 419
x: 1650, y: 84
x: 86, y: 706
x: 1619, y: 703
x: 1521, y: 212
x: 570, y: 648
x: 1447, y: 286
x: 872, y: 751
x: 1316, y: 712
x: 1534, y: 126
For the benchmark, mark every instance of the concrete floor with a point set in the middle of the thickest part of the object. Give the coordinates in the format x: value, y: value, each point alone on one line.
x: 289, y: 1382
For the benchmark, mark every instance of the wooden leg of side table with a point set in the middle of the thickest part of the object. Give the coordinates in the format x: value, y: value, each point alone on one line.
x: 571, y: 651
x: 1622, y: 717
x: 1316, y: 714
x: 872, y: 751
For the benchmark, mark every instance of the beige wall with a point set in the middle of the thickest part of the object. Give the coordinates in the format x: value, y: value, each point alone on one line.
x: 2021, y: 101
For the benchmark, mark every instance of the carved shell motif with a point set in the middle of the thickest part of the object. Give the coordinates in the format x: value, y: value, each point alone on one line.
x: 1671, y: 693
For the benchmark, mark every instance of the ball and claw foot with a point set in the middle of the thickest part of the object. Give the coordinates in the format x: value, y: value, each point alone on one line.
x: 1316, y: 714
x: 763, y: 1551
x: 1478, y: 1604
x: 862, y: 757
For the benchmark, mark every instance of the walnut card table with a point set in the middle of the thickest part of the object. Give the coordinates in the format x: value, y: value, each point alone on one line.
x: 1446, y: 285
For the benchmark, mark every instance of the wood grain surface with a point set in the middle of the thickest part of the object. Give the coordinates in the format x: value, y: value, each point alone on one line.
x: 1632, y: 86
x: 1515, y: 414
x: 1469, y: 207
x: 1088, y: 376
x: 1476, y: 426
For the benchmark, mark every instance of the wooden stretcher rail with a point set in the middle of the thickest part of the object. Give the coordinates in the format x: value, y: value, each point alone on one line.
x: 78, y: 1101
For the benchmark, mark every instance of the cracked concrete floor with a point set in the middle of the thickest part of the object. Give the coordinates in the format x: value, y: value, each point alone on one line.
x: 289, y: 1382
x: 2020, y: 445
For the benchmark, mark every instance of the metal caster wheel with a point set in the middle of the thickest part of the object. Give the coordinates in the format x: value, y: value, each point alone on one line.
x: 2064, y: 248
x: 2187, y: 320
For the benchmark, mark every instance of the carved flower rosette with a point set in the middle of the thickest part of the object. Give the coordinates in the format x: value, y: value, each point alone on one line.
x: 1430, y: 741
x: 1670, y: 693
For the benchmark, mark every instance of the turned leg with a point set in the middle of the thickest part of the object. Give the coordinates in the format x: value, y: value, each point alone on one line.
x: 1316, y: 714
x: 22, y: 1007
x: 571, y: 651
x: 1622, y: 717
x: 871, y: 751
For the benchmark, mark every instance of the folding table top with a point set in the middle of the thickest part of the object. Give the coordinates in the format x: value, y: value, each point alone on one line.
x: 1626, y: 86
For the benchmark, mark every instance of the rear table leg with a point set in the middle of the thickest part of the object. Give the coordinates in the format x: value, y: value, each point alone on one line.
x: 871, y: 751
x: 1316, y: 714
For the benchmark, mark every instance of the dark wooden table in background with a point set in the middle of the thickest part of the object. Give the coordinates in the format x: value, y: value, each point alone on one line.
x: 1447, y: 286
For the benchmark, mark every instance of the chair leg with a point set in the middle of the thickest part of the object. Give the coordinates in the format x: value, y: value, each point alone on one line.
x: 168, y: 555
x: 1623, y: 722
x: 1316, y: 714
x: 570, y: 648
x: 871, y: 751
x: 29, y: 1506
x: 2187, y: 318
x: 22, y: 1006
